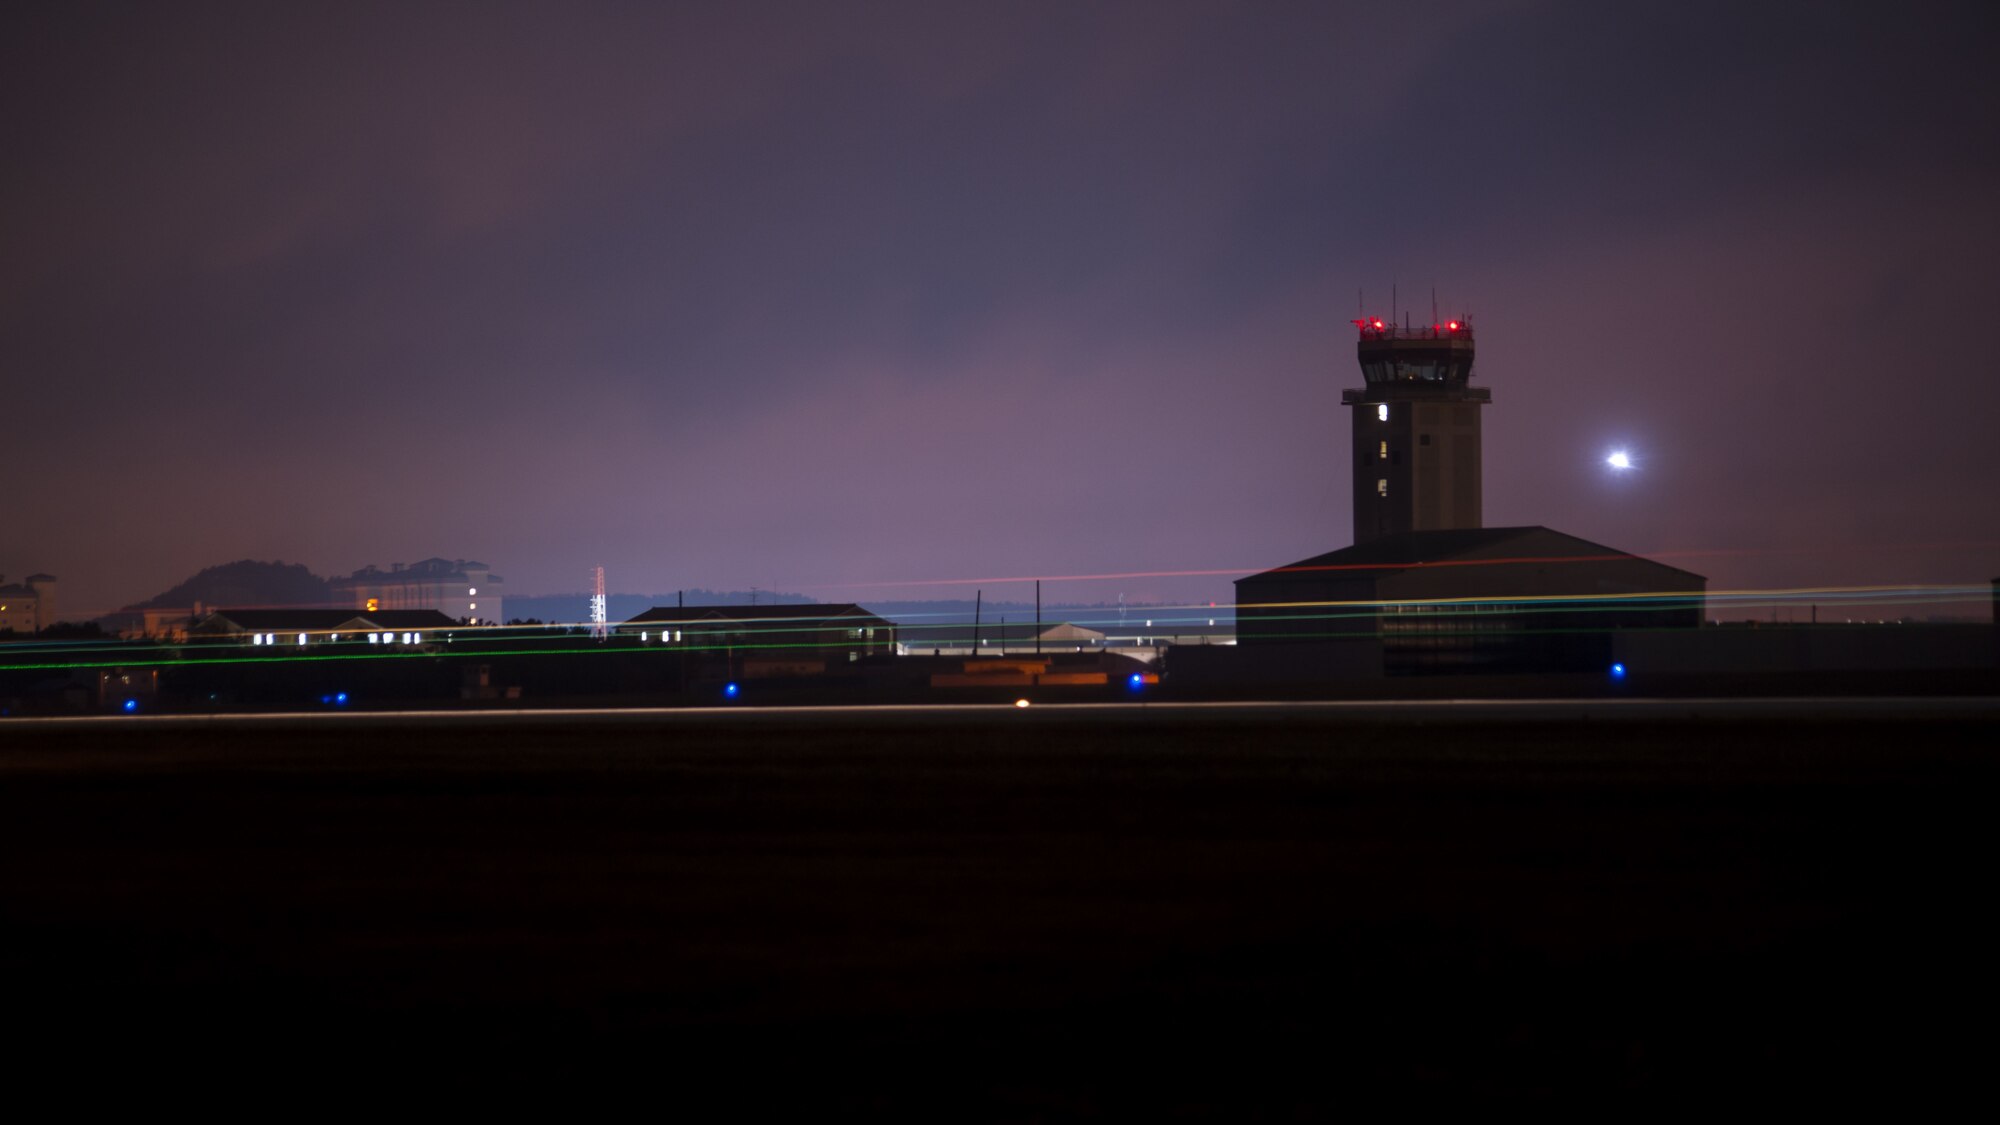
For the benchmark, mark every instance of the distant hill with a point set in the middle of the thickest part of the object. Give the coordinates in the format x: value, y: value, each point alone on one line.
x: 245, y: 584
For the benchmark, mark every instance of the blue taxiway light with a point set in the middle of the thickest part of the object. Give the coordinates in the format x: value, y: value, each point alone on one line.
x: 1617, y: 671
x: 730, y: 690
x: 1136, y: 681
x: 131, y: 705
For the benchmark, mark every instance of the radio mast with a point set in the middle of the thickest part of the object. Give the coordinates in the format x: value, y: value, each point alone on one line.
x: 598, y: 626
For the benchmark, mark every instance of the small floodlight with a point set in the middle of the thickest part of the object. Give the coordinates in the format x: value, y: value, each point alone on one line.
x: 1020, y: 703
x: 1619, y: 459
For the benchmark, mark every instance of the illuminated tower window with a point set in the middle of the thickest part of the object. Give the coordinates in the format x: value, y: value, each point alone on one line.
x: 1383, y: 455
x: 1382, y: 487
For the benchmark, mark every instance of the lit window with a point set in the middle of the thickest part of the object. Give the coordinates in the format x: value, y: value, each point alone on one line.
x: 1384, y: 453
x: 1382, y: 487
x: 1382, y: 412
x: 302, y: 638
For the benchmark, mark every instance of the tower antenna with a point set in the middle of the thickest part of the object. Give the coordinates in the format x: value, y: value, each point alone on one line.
x: 1434, y: 307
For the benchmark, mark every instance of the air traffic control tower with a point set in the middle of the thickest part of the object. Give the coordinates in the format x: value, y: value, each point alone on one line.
x: 1416, y: 429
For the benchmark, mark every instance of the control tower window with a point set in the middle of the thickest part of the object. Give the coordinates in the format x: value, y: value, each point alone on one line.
x: 1382, y: 412
x: 1384, y: 454
x: 1382, y: 487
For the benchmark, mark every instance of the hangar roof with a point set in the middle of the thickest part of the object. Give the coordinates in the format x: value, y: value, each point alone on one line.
x: 1398, y: 554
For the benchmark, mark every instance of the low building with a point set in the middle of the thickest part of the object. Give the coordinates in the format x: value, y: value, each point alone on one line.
x: 162, y: 624
x: 460, y: 589
x: 1500, y: 599
x: 1062, y: 636
x: 998, y: 635
x: 803, y: 632
x: 305, y: 628
x: 29, y: 606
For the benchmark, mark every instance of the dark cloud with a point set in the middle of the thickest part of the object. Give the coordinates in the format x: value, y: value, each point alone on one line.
x: 801, y: 295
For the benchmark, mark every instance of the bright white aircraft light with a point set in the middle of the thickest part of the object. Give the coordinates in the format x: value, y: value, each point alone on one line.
x: 1619, y: 459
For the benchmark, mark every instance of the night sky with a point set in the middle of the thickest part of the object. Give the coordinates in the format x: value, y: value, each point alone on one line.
x: 833, y: 298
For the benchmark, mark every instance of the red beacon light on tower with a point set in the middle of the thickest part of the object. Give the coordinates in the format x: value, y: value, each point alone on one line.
x: 1379, y: 328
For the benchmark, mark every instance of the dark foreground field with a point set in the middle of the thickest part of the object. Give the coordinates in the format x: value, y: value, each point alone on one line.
x: 1230, y: 914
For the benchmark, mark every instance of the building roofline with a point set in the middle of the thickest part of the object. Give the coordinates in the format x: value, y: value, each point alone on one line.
x: 1407, y: 551
x: 816, y: 611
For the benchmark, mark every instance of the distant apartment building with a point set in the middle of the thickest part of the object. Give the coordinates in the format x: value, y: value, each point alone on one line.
x: 461, y: 590
x: 29, y: 606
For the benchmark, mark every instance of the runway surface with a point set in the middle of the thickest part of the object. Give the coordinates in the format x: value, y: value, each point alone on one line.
x: 1643, y: 710
x: 1231, y: 911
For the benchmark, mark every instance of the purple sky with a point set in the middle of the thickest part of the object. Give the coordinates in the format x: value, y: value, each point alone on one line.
x: 809, y: 296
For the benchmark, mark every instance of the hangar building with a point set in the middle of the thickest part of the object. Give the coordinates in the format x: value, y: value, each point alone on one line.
x: 1437, y: 590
